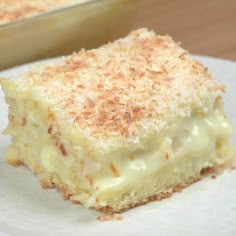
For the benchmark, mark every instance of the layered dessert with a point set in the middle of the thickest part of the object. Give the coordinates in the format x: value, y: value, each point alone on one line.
x: 118, y: 126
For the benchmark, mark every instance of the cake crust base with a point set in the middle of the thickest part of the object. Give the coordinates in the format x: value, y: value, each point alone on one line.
x: 48, y: 182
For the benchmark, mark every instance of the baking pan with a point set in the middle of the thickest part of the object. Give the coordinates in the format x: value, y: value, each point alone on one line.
x: 60, y: 32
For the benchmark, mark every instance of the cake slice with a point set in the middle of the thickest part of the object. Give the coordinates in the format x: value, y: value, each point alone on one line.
x: 115, y: 127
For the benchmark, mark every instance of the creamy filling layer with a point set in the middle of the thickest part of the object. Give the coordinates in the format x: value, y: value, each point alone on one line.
x: 201, y: 141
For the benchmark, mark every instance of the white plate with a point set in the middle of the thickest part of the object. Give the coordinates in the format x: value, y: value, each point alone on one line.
x: 205, y: 208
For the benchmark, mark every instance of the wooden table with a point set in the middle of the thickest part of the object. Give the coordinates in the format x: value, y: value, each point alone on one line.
x: 205, y: 27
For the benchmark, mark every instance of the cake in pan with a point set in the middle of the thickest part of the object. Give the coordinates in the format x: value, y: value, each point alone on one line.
x: 15, y: 10
x: 118, y: 126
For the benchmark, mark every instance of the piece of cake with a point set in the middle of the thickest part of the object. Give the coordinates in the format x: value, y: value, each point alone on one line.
x: 115, y: 127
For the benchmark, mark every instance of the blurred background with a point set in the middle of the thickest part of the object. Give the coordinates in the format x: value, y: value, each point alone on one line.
x: 206, y: 27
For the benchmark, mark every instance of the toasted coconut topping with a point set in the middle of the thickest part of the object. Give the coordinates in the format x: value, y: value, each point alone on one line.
x: 141, y: 82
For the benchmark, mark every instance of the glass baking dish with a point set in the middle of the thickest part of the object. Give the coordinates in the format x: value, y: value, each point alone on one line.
x: 62, y: 31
